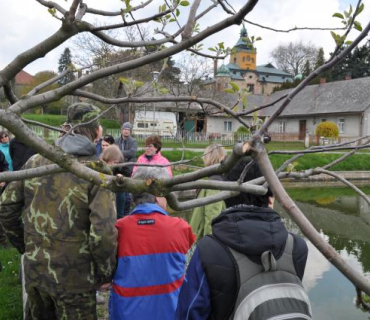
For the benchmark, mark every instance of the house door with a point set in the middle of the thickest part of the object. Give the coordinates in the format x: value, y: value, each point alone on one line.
x: 302, y: 129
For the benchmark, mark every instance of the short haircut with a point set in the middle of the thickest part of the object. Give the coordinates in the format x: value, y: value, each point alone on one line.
x: 142, y: 198
x: 252, y: 173
x: 112, y: 153
x: 213, y: 154
x: 155, y: 141
x: 108, y: 138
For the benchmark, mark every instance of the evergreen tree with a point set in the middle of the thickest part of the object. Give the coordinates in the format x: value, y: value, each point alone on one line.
x: 306, y: 69
x: 320, y: 59
x: 65, y: 62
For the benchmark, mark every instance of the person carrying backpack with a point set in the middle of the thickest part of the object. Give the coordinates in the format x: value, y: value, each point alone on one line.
x: 251, y: 267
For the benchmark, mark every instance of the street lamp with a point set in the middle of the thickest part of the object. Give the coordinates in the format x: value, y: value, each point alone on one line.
x: 155, y: 75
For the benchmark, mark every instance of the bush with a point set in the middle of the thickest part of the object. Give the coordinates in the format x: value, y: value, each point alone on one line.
x: 243, y: 129
x: 327, y: 129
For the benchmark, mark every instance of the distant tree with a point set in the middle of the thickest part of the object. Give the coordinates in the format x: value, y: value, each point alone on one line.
x: 355, y: 65
x: 292, y: 57
x: 320, y: 58
x: 39, y: 78
x: 319, y: 61
x: 306, y: 69
x: 65, y: 63
x: 288, y: 85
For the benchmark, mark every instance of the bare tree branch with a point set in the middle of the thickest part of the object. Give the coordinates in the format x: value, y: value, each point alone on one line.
x: 191, y: 20
x: 9, y: 93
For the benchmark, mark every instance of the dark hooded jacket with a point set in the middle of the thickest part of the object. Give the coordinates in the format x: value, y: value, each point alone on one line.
x: 211, y: 287
x: 19, y: 153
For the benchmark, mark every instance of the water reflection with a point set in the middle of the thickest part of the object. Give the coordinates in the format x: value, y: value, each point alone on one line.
x: 344, y: 221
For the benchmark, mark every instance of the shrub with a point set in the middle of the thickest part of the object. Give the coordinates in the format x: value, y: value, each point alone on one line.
x: 327, y: 129
x: 243, y: 129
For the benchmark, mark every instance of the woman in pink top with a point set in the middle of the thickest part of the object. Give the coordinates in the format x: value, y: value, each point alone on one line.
x: 152, y: 154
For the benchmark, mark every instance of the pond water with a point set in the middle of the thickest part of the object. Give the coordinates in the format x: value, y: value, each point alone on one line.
x: 343, y: 219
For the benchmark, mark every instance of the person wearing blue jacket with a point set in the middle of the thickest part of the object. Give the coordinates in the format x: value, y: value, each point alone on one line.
x: 4, y: 148
x: 248, y: 226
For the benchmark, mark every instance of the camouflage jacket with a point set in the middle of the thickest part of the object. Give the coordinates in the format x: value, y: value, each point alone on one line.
x: 65, y: 227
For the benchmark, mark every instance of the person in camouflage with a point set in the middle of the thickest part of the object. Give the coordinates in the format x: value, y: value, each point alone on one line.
x: 67, y: 235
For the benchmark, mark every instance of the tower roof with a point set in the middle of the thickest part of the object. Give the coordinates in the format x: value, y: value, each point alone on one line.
x: 244, y: 42
x: 243, y: 32
x: 223, y: 71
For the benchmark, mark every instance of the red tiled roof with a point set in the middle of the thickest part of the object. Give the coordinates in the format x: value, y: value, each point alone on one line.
x: 23, y: 78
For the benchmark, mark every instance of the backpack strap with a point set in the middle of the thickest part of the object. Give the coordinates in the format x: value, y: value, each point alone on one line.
x: 268, y: 261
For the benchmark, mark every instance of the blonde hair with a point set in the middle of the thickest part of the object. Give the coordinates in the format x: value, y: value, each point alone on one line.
x: 112, y: 153
x: 214, y: 154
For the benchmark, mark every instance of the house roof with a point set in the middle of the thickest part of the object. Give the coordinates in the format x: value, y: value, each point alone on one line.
x: 348, y: 96
x: 342, y: 97
x: 23, y: 78
x: 271, y: 69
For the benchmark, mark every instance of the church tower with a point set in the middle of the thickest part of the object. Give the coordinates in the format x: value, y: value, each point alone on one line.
x: 243, y: 54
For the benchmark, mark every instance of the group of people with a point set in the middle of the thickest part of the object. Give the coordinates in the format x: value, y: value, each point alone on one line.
x: 246, y: 265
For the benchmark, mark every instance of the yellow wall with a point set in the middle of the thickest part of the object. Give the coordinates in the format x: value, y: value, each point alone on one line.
x: 244, y: 60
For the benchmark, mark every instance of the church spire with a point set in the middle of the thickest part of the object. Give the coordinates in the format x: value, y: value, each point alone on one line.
x: 243, y: 32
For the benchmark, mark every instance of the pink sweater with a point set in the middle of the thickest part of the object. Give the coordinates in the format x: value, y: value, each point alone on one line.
x: 157, y: 159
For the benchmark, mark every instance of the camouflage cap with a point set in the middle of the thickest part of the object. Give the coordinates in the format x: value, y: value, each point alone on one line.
x: 81, y: 112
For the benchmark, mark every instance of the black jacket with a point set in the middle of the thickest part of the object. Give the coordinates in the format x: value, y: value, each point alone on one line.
x: 3, y: 163
x: 19, y: 153
x: 249, y: 230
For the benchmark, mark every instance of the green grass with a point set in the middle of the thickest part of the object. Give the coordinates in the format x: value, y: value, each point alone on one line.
x: 357, y: 162
x: 57, y: 120
x: 10, y: 287
x: 311, y: 194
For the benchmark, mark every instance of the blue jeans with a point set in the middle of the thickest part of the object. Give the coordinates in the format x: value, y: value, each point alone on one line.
x: 120, y: 204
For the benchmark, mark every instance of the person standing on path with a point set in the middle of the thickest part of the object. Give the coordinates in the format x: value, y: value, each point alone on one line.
x: 65, y: 227
x: 128, y: 147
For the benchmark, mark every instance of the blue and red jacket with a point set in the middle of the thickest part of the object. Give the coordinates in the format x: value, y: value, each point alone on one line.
x: 151, y: 264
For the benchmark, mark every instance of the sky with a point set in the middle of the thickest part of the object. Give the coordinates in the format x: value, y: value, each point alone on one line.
x: 25, y: 23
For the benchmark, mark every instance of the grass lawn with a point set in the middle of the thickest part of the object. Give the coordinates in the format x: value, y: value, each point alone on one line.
x: 10, y: 287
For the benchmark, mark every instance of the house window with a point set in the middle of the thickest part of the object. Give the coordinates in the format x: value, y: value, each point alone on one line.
x: 250, y: 87
x: 341, y: 125
x: 282, y: 127
x: 234, y: 60
x: 228, y: 126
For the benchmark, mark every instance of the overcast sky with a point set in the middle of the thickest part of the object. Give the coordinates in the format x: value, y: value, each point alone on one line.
x: 24, y: 23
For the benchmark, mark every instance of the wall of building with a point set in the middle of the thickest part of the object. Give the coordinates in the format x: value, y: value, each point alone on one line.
x: 244, y: 60
x: 351, y: 124
x: 216, y: 125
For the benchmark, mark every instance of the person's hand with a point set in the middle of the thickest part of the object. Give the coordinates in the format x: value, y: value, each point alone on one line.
x: 2, y: 184
x: 105, y: 286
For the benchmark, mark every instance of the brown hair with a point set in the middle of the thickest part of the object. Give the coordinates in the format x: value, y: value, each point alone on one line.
x: 112, y: 153
x: 213, y: 154
x: 155, y: 141
x: 89, y: 131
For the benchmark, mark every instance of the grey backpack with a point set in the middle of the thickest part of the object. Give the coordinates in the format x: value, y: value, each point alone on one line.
x: 271, y: 291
